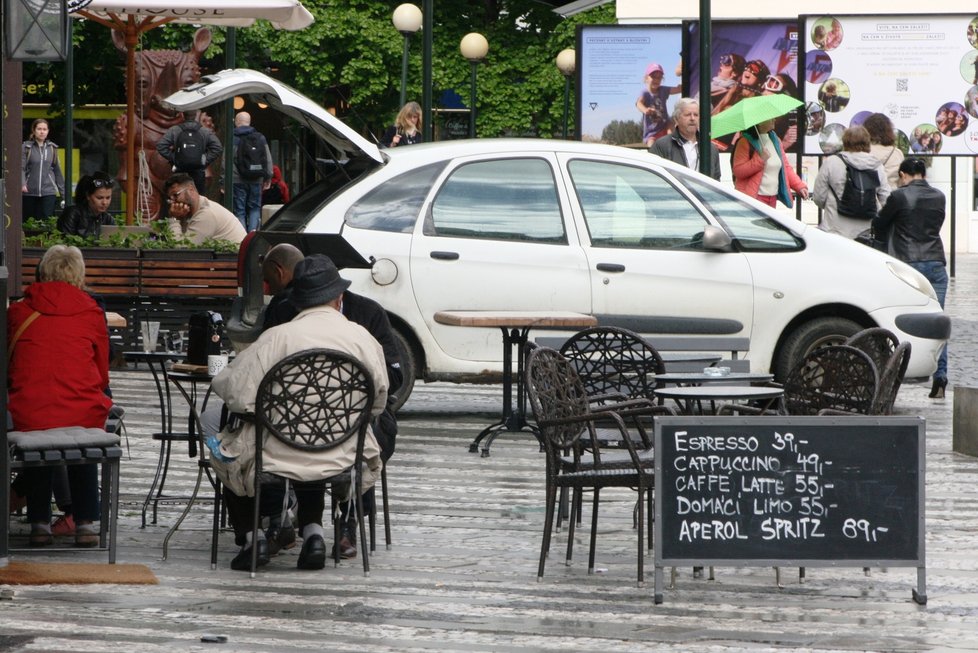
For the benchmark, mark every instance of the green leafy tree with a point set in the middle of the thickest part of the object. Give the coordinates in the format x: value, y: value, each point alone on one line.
x: 622, y: 132
x: 353, y: 47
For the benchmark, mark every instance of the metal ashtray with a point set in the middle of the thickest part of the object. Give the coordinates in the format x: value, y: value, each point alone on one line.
x: 716, y: 371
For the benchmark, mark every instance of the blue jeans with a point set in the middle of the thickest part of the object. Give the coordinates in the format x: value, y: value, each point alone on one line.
x: 247, y: 203
x: 936, y: 273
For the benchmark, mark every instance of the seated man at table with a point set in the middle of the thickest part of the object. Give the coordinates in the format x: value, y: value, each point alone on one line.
x: 195, y: 217
x: 317, y: 292
x: 277, y: 271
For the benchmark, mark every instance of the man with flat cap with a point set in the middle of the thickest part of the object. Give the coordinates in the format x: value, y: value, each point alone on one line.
x: 317, y: 291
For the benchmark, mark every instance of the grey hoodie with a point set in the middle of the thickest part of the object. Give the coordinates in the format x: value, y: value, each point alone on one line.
x: 40, y: 170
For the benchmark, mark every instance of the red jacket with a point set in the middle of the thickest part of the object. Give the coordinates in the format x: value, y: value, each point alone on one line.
x: 59, y: 369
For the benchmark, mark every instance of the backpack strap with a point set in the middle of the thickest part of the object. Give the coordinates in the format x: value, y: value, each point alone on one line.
x: 835, y: 194
x: 23, y: 326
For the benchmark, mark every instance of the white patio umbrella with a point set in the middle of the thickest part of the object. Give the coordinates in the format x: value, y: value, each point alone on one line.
x: 134, y: 17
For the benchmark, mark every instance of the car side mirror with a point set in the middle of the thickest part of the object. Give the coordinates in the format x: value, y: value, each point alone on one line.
x: 716, y: 239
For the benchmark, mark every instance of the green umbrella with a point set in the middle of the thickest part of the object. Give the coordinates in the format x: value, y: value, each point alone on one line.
x: 751, y: 111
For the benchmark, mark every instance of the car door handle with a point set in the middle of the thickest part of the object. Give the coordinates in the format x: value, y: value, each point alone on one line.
x: 445, y: 256
x: 610, y: 267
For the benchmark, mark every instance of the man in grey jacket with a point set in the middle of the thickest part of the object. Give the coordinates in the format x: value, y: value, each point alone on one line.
x: 248, y: 185
x: 171, y: 149
x: 682, y: 145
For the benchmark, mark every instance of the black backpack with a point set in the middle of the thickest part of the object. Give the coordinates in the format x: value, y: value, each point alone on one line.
x: 249, y: 157
x: 859, y: 194
x: 189, y: 149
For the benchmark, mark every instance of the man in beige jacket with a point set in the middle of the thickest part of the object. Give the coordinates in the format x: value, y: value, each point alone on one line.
x: 317, y: 292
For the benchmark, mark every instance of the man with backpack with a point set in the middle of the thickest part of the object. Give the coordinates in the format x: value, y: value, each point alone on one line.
x: 252, y: 171
x: 191, y: 148
x: 850, y: 186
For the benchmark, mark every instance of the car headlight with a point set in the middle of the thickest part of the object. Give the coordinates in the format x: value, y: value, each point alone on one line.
x: 912, y: 278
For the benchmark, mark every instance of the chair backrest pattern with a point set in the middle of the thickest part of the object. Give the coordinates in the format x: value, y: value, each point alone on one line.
x: 837, y: 377
x: 556, y: 393
x: 315, y: 400
x: 877, y: 342
x: 891, y: 377
x: 614, y: 360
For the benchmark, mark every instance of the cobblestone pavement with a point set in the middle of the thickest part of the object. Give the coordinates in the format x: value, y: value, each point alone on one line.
x: 461, y: 575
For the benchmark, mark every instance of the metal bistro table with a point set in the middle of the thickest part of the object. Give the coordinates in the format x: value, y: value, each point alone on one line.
x: 689, y: 396
x: 515, y: 325
x: 186, y: 383
x: 157, y: 363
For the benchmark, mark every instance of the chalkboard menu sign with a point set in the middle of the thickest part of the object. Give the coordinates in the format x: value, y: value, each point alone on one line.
x: 790, y: 491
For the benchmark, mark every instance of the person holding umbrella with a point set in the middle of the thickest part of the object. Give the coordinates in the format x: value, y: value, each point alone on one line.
x: 760, y: 166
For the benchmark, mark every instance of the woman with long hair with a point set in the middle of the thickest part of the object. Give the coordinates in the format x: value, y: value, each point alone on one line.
x: 85, y: 217
x: 40, y: 173
x: 406, y: 129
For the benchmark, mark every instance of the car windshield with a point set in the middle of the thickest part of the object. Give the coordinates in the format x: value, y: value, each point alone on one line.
x: 751, y: 230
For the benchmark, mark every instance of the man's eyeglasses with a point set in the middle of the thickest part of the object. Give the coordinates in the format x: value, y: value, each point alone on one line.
x: 774, y: 84
x: 175, y: 197
x: 102, y: 183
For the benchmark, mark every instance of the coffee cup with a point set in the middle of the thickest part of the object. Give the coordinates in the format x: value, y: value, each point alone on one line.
x: 216, y: 363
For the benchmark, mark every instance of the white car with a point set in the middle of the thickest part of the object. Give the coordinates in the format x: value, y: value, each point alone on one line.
x: 533, y: 224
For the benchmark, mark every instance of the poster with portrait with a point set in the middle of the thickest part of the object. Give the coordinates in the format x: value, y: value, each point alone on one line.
x: 920, y: 71
x: 629, y: 79
x: 748, y: 58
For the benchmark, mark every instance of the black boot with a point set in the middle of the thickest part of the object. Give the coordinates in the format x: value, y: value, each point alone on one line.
x: 937, y: 389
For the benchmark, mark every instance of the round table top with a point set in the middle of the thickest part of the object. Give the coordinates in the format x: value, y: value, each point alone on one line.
x: 702, y: 377
x: 715, y: 391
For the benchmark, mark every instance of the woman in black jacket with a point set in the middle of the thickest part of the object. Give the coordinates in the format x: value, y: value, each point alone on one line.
x: 912, y: 219
x: 90, y: 210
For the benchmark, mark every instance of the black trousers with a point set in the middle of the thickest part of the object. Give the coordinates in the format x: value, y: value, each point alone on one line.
x: 311, y: 497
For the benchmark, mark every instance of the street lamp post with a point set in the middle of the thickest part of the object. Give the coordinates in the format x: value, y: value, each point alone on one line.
x: 474, y: 47
x: 566, y: 64
x: 407, y: 20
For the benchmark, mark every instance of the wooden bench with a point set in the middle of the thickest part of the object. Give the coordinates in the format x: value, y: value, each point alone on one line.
x: 729, y: 348
x: 157, y: 285
x: 76, y: 446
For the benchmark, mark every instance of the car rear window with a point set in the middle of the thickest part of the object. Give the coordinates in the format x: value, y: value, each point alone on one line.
x: 750, y: 228
x: 396, y: 203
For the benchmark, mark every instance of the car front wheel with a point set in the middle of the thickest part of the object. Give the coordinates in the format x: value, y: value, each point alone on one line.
x: 808, y: 337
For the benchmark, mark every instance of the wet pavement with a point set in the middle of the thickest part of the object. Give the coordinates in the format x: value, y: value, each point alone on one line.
x: 461, y: 575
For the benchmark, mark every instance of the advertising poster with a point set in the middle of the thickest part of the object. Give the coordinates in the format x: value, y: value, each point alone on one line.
x: 748, y: 58
x: 629, y: 80
x: 920, y: 71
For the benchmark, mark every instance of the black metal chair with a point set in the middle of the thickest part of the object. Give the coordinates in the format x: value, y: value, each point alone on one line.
x: 832, y: 380
x: 891, y: 358
x: 613, y: 363
x: 314, y: 401
x: 564, y: 414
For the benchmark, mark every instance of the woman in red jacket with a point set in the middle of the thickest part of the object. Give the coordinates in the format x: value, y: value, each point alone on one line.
x: 761, y: 169
x: 57, y: 375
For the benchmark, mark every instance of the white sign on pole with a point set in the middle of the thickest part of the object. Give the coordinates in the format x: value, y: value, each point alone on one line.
x: 921, y: 71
